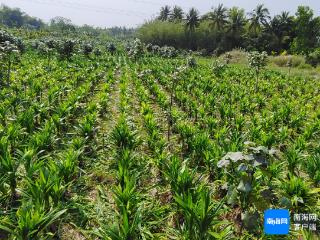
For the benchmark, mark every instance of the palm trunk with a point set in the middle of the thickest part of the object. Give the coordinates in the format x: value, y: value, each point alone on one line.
x: 257, y: 80
x: 9, y: 72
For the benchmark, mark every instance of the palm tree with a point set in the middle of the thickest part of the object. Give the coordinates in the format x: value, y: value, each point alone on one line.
x: 236, y: 20
x: 259, y: 16
x: 284, y: 16
x: 164, y: 13
x: 176, y: 14
x: 281, y: 27
x: 218, y: 17
x: 286, y: 21
x: 235, y: 27
x: 192, y: 20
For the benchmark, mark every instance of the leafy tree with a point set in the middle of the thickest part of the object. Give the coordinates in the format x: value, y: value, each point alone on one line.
x: 33, y: 23
x: 11, y: 17
x: 313, y: 58
x: 62, y: 24
x: 14, y: 17
x: 307, y: 30
x: 121, y: 32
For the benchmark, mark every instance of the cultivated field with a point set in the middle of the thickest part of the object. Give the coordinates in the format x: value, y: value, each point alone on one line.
x: 138, y: 143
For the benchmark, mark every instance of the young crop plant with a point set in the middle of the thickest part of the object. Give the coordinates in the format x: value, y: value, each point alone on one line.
x: 297, y: 194
x: 8, y: 169
x: 97, y: 52
x: 124, y: 137
x: 200, y: 213
x: 68, y: 165
x: 32, y: 222
x: 31, y: 161
x: 87, y: 126
x: 197, y: 212
x: 312, y: 165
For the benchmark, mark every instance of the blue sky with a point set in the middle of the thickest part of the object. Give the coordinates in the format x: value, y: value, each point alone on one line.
x: 131, y: 13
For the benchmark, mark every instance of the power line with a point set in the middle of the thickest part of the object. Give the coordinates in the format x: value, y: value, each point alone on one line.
x: 146, y: 2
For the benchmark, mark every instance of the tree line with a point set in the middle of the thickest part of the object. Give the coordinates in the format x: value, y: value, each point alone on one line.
x: 15, y: 18
x: 223, y: 29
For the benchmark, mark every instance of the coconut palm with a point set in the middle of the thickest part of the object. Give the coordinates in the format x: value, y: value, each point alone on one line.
x: 235, y: 27
x: 164, y: 13
x: 259, y: 16
x: 177, y: 14
x: 236, y: 20
x: 281, y: 27
x: 218, y: 17
x: 192, y: 20
x: 283, y: 22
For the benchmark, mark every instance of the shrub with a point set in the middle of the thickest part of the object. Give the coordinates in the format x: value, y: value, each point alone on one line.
x: 314, y: 58
x: 111, y: 48
x: 136, y: 49
x: 87, y: 48
x: 7, y: 37
x: 66, y: 48
x: 305, y: 66
x: 168, y: 52
x: 235, y: 56
x: 282, y: 61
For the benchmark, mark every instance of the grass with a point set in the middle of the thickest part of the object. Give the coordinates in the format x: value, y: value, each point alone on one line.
x: 299, y: 68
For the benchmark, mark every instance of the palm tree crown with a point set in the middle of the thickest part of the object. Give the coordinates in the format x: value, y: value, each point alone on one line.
x: 164, y: 13
x: 236, y: 20
x: 218, y: 17
x: 259, y: 16
x: 177, y: 14
x: 192, y: 19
